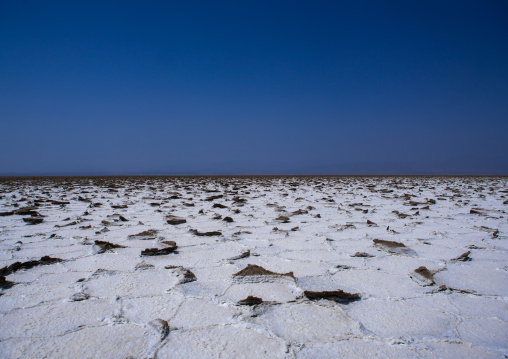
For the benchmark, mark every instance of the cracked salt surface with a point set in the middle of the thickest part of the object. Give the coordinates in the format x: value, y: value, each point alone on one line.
x: 397, y: 245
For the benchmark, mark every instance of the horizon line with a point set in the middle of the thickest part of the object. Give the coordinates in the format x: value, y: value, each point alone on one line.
x: 246, y: 175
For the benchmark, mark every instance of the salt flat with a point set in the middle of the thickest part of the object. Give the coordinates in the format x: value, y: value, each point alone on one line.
x: 254, y: 267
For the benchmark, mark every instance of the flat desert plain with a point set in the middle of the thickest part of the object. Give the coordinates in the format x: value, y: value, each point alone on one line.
x: 254, y: 267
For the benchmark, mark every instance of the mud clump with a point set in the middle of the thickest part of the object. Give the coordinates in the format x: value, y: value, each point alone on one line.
x: 243, y: 255
x: 464, y: 257
x: 143, y: 266
x: 175, y: 220
x: 338, y: 296
x: 170, y: 243
x: 78, y: 297
x: 159, y: 252
x: 25, y: 211
x: 4, y: 283
x: 422, y: 276
x: 46, y: 260
x: 187, y: 276
x: 103, y: 246
x: 362, y: 255
x: 394, y: 247
x: 282, y: 219
x: 73, y: 223
x: 250, y: 300
x: 161, y: 327
x: 205, y: 234
x: 255, y: 270
x: 146, y: 235
x: 388, y: 244
x: 424, y: 272
x: 33, y: 220
x: 119, y: 206
x: 212, y: 198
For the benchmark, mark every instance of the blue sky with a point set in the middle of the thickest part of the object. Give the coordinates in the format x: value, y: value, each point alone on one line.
x: 253, y: 87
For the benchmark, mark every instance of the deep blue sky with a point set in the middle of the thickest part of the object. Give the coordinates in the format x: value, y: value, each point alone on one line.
x: 202, y: 87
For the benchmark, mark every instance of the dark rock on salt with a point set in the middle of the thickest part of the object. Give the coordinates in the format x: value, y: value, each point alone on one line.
x: 218, y: 205
x: 228, y: 219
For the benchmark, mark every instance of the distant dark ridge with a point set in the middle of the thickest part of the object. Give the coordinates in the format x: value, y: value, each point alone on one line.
x: 109, y: 177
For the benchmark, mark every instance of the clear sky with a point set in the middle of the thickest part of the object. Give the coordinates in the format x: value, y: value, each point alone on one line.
x: 253, y: 87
